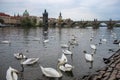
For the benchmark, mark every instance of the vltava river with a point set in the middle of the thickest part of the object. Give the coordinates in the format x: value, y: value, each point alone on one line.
x: 24, y: 40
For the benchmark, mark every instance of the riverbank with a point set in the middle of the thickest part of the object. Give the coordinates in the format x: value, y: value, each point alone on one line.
x: 110, y: 72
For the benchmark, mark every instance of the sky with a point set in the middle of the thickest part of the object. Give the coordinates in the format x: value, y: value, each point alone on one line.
x: 74, y: 9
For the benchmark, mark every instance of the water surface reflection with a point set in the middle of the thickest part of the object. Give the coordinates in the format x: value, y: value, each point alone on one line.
x: 31, y: 43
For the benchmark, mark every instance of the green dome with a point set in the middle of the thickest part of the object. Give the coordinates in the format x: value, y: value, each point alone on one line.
x: 25, y: 13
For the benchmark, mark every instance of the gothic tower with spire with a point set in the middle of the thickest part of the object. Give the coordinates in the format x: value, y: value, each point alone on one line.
x: 45, y: 20
x: 60, y: 18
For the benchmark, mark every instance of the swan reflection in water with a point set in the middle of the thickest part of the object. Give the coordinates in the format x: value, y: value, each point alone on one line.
x: 22, y: 72
x: 45, y: 38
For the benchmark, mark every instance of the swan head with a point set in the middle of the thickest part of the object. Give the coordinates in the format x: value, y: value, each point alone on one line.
x: 84, y: 51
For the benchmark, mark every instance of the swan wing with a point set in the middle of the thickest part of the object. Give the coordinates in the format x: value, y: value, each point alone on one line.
x: 62, y: 68
x: 50, y: 72
x: 63, y: 59
x: 93, y: 46
x: 14, y: 76
x: 30, y: 61
x: 67, y: 52
x: 68, y: 67
x: 11, y: 74
x: 8, y: 74
x: 64, y: 46
x: 88, y: 57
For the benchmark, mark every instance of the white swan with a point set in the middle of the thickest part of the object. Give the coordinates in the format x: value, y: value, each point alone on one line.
x: 73, y: 42
x: 30, y: 61
x: 19, y: 56
x: 66, y: 51
x: 11, y: 74
x: 89, y: 57
x: 51, y: 72
x: 66, y: 67
x: 104, y: 40
x: 63, y: 59
x: 5, y: 42
x: 64, y: 46
x: 45, y: 41
x: 93, y: 46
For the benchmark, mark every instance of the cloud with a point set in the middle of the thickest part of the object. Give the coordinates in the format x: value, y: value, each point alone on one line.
x: 79, y: 14
x: 74, y: 9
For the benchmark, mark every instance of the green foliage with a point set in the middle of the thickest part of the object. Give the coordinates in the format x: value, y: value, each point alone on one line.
x: 27, y: 22
x: 117, y: 25
x: 1, y: 21
x: 40, y: 24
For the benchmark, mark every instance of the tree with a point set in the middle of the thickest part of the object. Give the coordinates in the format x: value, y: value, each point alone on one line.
x: 26, y: 22
x: 40, y: 24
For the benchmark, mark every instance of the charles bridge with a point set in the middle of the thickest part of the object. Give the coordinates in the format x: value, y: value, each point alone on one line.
x: 82, y: 24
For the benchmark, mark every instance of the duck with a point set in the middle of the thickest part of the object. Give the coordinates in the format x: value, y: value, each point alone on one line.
x: 11, y: 74
x: 51, y: 72
x: 93, y: 46
x: 20, y: 56
x: 66, y: 52
x: 30, y: 61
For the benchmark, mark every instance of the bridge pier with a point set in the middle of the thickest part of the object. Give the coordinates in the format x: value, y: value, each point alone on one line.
x: 95, y: 24
x: 110, y: 24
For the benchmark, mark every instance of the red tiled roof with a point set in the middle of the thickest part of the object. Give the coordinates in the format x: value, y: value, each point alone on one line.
x: 3, y: 14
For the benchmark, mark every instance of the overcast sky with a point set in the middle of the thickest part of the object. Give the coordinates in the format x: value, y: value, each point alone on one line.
x: 74, y: 9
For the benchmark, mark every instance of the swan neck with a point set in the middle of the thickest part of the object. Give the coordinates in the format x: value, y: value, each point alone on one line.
x: 59, y: 69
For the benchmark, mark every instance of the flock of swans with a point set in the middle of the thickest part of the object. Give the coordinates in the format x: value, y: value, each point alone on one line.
x: 62, y: 65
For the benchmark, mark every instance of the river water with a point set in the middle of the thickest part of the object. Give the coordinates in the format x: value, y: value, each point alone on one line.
x: 24, y: 40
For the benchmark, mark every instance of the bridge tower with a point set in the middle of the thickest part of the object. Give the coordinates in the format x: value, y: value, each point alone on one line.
x: 60, y: 20
x: 110, y: 24
x: 60, y: 17
x: 45, y: 20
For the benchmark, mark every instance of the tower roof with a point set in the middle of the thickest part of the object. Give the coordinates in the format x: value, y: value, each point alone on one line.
x: 25, y: 13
